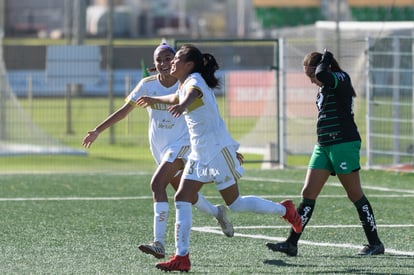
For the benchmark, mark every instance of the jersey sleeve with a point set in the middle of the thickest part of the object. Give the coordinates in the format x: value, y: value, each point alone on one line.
x: 195, y: 84
x: 137, y: 92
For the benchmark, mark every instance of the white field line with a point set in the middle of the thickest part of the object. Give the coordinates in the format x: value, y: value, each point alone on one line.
x: 336, y: 184
x: 256, y: 179
x: 280, y: 239
x: 216, y: 231
x: 121, y: 173
x: 406, y: 193
x: 77, y: 198
x: 150, y: 197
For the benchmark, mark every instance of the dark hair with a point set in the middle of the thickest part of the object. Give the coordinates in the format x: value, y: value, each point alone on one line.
x: 312, y: 60
x: 205, y: 64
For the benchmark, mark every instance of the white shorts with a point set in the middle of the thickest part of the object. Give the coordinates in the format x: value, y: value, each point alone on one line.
x: 224, y: 169
x: 172, y: 153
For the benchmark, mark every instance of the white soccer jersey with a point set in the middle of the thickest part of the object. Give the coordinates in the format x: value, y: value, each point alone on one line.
x: 208, y: 132
x: 167, y: 135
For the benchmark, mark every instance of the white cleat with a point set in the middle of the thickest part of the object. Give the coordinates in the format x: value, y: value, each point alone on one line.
x: 155, y: 249
x: 224, y: 223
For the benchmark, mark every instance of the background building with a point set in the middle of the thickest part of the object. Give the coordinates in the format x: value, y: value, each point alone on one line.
x: 192, y: 18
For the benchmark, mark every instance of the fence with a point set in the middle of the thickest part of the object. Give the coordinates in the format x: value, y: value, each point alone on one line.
x: 252, y: 101
x: 390, y: 137
x: 378, y: 57
x: 271, y: 112
x: 250, y: 84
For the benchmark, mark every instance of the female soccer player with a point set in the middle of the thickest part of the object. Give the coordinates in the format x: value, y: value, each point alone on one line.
x: 336, y: 152
x: 169, y: 144
x: 213, y: 155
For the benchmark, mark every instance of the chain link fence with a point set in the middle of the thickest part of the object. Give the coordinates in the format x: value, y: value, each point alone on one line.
x: 266, y: 99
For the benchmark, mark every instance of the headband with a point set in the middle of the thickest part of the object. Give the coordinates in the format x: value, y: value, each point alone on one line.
x: 165, y: 46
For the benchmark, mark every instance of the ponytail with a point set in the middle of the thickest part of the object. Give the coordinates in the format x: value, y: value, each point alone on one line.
x: 209, y: 67
x: 313, y: 59
x: 205, y: 64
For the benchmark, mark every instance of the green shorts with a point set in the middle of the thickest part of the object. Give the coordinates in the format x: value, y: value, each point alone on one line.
x: 342, y: 158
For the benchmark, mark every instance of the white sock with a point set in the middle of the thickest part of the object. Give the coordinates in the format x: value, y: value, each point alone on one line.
x: 205, y: 206
x: 183, y: 223
x: 257, y: 205
x: 160, y: 221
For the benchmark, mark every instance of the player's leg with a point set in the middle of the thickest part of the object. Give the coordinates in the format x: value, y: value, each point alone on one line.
x: 185, y: 196
x: 315, y: 180
x: 229, y: 170
x: 217, y: 211
x: 347, y: 166
x: 320, y: 167
x: 164, y: 174
x: 352, y: 185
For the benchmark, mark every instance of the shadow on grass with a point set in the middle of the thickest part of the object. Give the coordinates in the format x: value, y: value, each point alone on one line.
x: 281, y: 263
x: 347, y: 266
x: 354, y: 271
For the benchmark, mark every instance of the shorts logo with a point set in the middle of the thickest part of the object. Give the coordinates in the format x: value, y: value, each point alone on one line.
x: 343, y: 165
x: 208, y: 172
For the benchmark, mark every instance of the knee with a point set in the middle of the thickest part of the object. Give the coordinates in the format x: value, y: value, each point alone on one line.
x: 236, y: 205
x: 307, y: 194
x: 185, y: 196
x: 354, y: 194
x: 157, y: 186
x: 354, y: 197
x: 178, y: 196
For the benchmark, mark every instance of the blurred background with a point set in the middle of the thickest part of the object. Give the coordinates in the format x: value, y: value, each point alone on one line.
x: 67, y: 64
x: 188, y: 18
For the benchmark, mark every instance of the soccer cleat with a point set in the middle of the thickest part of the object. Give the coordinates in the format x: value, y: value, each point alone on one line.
x: 224, y: 223
x: 176, y: 263
x: 292, y: 216
x: 284, y: 247
x: 156, y: 249
x: 372, y: 249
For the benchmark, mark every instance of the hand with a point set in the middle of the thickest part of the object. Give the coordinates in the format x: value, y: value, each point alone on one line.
x: 176, y: 110
x: 240, y: 157
x: 90, y: 138
x: 326, y: 57
x: 145, y: 101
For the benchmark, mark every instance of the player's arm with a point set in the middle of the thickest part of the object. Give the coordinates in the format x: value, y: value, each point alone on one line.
x: 118, y: 115
x: 145, y: 101
x: 177, y: 109
x: 323, y: 72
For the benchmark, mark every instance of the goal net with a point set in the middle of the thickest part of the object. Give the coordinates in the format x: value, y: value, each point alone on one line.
x: 390, y: 139
x: 18, y: 134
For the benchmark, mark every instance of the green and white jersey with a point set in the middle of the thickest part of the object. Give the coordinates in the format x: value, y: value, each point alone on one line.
x: 208, y: 132
x: 167, y: 134
x: 335, y: 103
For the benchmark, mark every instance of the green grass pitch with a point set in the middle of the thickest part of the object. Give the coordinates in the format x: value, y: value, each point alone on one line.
x: 91, y: 223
